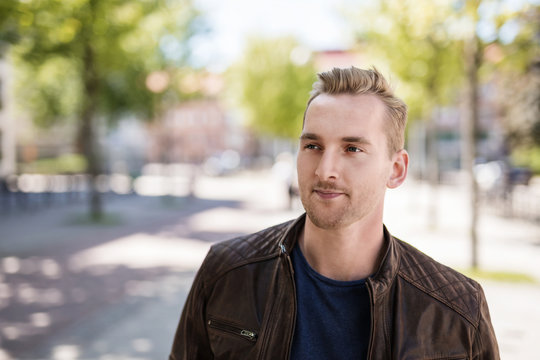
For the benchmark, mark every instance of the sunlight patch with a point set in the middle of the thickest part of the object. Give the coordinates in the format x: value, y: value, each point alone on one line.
x: 143, y: 251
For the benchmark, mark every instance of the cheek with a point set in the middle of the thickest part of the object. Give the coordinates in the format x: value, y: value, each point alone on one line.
x: 303, y: 175
x: 370, y: 175
x: 303, y: 165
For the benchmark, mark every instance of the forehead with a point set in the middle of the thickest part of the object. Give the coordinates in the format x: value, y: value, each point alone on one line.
x: 345, y: 113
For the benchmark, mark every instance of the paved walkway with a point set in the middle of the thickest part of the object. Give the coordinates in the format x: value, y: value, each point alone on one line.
x: 75, y: 291
x: 505, y: 245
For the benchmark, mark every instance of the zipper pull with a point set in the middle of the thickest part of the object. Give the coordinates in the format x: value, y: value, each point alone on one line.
x: 233, y: 329
x: 249, y: 334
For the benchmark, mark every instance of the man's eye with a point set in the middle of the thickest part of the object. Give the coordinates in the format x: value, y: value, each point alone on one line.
x: 311, y: 146
x: 354, y: 149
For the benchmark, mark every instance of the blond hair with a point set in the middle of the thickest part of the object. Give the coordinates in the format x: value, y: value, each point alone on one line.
x: 360, y: 81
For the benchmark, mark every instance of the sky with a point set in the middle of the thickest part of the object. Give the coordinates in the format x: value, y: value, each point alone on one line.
x: 317, y: 24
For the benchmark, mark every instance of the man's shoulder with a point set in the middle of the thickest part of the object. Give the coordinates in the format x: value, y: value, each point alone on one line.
x: 439, y: 281
x: 264, y: 244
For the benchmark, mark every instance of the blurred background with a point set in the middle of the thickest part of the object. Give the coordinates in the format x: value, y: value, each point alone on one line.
x: 134, y: 134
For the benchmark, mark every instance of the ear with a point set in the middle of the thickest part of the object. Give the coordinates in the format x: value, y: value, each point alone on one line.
x: 400, y: 165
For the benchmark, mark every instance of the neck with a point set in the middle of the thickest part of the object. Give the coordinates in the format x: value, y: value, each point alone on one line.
x: 346, y: 254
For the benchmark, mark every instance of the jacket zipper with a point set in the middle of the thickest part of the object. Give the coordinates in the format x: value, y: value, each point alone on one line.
x: 291, y: 273
x: 283, y: 252
x: 372, y: 326
x: 233, y: 329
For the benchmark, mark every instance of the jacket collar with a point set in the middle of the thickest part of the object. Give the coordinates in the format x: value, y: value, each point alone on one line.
x: 290, y: 236
x: 380, y: 281
x: 388, y: 267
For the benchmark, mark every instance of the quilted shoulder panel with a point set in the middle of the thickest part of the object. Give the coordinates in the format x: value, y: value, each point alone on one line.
x: 229, y: 254
x: 441, y: 282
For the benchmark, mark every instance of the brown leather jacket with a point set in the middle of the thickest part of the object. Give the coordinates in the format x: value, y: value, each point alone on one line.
x: 242, y: 304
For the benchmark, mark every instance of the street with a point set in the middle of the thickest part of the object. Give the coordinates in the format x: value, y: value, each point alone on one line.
x: 72, y: 290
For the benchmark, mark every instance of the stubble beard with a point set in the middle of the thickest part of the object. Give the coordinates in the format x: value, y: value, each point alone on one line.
x: 324, y: 215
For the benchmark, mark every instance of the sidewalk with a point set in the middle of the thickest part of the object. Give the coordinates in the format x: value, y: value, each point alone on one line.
x: 505, y: 245
x: 70, y: 290
x: 116, y: 292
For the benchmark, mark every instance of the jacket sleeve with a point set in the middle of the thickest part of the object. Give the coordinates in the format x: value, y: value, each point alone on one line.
x: 486, y: 346
x: 191, y: 338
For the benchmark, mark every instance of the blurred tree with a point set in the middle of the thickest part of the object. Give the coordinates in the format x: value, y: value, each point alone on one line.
x: 415, y: 39
x: 513, y: 61
x: 273, y: 81
x: 89, y: 61
x: 502, y: 43
x: 8, y: 24
x: 8, y: 36
x: 473, y: 50
x: 434, y: 45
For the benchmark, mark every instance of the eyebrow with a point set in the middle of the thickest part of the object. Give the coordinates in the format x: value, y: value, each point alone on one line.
x: 348, y: 139
x: 356, y: 139
x: 309, y: 136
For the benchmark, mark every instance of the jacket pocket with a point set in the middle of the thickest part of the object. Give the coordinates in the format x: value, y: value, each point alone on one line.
x: 233, y: 329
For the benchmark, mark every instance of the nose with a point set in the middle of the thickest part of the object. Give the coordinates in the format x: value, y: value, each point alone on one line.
x: 327, y: 169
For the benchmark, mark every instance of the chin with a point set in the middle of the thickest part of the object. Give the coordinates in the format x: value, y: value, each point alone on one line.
x: 326, y: 222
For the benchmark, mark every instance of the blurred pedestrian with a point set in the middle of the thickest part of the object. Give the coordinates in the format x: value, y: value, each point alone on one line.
x: 285, y: 172
x: 334, y: 284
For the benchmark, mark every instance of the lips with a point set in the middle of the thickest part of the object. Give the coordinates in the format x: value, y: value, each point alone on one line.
x: 328, y: 194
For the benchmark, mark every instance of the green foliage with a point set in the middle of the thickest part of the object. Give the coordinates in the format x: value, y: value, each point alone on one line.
x: 123, y: 39
x: 52, y: 91
x: 499, y: 276
x: 8, y: 23
x: 515, y: 45
x: 513, y: 63
x: 273, y: 83
x: 64, y: 164
x: 415, y: 39
x: 527, y: 157
x: 423, y: 43
x: 90, y: 59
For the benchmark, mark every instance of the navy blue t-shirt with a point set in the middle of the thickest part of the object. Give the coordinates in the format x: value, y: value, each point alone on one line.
x: 333, y: 317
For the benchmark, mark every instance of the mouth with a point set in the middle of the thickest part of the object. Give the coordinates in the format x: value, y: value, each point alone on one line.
x: 328, y: 194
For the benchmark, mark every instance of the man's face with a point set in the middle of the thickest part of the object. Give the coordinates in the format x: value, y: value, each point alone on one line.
x: 343, y: 161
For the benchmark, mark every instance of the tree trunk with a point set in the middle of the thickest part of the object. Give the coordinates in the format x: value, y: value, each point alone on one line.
x: 8, y: 162
x: 469, y: 135
x: 87, y: 130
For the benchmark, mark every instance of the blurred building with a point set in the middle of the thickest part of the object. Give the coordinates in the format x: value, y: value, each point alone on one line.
x: 126, y: 146
x: 195, y: 131
x: 328, y: 59
x: 448, y: 119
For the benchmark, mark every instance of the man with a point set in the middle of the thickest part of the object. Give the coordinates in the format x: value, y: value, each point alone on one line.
x: 334, y: 284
